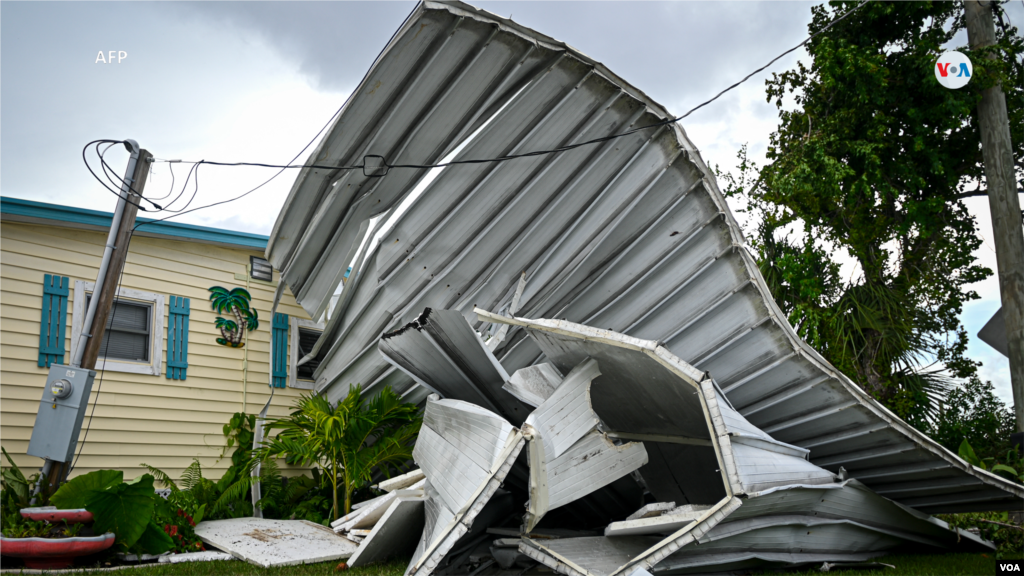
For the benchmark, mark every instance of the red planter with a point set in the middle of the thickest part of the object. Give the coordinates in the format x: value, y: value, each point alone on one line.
x: 50, y: 553
x: 54, y: 516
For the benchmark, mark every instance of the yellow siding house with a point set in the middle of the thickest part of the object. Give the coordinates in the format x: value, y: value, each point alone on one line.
x: 145, y: 411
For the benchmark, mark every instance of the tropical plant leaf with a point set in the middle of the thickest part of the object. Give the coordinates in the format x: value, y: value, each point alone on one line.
x: 15, y: 481
x: 124, y: 509
x: 161, y: 477
x: 967, y: 453
x: 353, y: 436
x: 154, y: 540
x: 200, y: 514
x: 192, y: 476
x: 76, y: 492
x: 1005, y: 468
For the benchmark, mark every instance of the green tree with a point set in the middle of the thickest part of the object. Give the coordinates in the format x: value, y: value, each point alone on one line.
x: 872, y: 159
x: 973, y: 413
x: 348, y: 441
x: 235, y: 302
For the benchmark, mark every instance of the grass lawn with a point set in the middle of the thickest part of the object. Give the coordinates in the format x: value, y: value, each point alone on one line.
x: 905, y: 565
x: 924, y: 565
x: 216, y: 568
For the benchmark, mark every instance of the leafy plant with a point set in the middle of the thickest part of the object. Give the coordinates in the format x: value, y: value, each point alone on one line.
x: 17, y: 489
x: 875, y: 160
x: 192, y: 493
x: 75, y: 493
x: 991, y: 464
x: 17, y: 526
x: 995, y: 527
x: 125, y: 508
x: 235, y: 302
x: 180, y: 527
x: 347, y: 441
x: 972, y: 412
x: 71, y: 531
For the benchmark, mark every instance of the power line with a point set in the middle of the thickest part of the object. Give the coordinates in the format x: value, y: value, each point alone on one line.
x: 539, y: 152
x: 282, y: 167
x: 131, y: 233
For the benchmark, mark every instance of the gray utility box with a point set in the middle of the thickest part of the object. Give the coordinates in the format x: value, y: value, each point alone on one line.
x: 61, y: 411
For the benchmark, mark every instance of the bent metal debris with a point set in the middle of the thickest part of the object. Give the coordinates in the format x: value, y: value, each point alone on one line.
x: 609, y: 387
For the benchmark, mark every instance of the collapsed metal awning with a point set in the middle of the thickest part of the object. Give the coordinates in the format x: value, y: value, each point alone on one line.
x: 748, y: 499
x: 632, y: 235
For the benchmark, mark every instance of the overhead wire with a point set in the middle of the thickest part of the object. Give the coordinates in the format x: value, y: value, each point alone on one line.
x: 131, y: 232
x: 560, y: 149
x: 283, y: 167
x: 304, y: 148
x: 98, y: 179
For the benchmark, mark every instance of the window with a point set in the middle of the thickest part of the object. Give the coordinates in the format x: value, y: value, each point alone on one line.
x: 127, y: 332
x: 133, y: 339
x: 304, y: 334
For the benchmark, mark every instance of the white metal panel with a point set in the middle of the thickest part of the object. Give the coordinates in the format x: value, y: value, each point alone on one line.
x: 533, y: 384
x: 589, y: 464
x: 631, y: 235
x: 566, y: 416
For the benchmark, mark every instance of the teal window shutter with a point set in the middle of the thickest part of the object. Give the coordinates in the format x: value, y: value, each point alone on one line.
x: 279, y: 351
x: 177, y: 338
x: 54, y: 319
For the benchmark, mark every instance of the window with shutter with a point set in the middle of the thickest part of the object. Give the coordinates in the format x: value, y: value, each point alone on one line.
x: 177, y: 338
x: 52, y: 325
x: 127, y: 332
x: 307, y: 339
x: 279, y: 350
x: 303, y: 337
x: 134, y: 334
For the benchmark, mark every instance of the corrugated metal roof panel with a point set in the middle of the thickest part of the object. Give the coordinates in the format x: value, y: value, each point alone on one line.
x: 631, y: 235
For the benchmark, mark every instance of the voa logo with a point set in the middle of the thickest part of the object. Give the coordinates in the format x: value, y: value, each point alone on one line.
x: 953, y: 70
x: 1009, y: 567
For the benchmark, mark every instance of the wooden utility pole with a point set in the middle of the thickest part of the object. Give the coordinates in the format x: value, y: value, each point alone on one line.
x: 107, y: 292
x: 59, y: 470
x: 1002, y: 200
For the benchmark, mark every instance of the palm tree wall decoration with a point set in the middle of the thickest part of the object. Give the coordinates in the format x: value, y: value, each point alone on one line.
x: 236, y: 303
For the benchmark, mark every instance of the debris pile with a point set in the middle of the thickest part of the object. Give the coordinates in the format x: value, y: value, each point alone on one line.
x: 625, y: 409
x: 388, y: 525
x: 693, y: 415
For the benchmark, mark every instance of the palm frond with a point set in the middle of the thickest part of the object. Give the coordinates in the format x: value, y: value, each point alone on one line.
x: 192, y: 476
x: 161, y: 477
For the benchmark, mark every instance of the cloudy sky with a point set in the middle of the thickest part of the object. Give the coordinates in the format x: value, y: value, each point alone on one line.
x: 256, y: 81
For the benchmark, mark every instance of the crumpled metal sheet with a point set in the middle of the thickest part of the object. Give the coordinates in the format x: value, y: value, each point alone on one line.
x: 631, y: 235
x: 790, y: 506
x: 568, y: 457
x: 465, y: 451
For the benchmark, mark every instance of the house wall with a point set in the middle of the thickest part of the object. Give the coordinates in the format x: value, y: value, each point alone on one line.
x: 139, y: 418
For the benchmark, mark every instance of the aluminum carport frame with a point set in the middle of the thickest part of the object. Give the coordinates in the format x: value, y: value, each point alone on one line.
x: 777, y: 508
x: 632, y: 235
x: 758, y: 501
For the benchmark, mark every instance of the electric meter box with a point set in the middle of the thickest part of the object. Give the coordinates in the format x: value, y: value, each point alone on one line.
x: 61, y: 411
